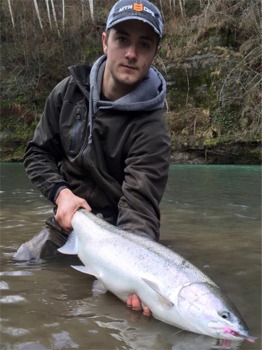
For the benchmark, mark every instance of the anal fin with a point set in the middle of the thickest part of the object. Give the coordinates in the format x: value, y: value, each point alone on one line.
x: 98, y: 288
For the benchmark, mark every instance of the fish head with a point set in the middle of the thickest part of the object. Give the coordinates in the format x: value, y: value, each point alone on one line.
x: 210, y: 312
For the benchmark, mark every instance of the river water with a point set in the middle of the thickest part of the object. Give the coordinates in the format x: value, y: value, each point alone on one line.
x: 210, y: 214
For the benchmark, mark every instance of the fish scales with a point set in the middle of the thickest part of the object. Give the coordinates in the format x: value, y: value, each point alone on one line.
x: 151, y: 246
x: 142, y: 248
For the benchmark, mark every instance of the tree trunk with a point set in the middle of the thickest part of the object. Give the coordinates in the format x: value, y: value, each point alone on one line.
x: 38, y: 14
x: 11, y: 12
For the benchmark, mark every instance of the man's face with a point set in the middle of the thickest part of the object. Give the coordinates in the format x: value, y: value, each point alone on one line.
x: 130, y: 48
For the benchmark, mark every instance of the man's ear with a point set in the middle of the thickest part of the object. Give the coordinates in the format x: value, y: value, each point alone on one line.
x: 104, y: 41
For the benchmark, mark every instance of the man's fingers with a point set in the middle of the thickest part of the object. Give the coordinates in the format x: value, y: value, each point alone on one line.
x: 129, y: 301
x: 134, y: 302
x: 64, y: 223
x: 147, y: 312
x: 67, y: 204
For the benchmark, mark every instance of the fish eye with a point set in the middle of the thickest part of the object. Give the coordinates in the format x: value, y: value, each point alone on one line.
x: 224, y: 314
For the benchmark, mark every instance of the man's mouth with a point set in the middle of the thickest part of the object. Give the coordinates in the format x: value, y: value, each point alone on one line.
x: 126, y: 66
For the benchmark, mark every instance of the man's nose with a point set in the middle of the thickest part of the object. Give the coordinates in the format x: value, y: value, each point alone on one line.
x: 131, y: 52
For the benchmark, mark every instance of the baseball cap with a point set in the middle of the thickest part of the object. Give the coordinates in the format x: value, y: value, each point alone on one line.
x: 142, y: 10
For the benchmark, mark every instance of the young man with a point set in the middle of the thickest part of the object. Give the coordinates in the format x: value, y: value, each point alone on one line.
x: 102, y: 143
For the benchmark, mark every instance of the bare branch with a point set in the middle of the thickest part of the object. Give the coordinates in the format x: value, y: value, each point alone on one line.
x: 91, y: 7
x: 48, y: 13
x: 38, y: 14
x: 55, y: 18
x: 63, y: 14
x: 11, y: 13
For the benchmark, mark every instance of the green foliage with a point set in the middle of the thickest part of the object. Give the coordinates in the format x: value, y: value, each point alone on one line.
x: 15, y: 133
x: 227, y: 119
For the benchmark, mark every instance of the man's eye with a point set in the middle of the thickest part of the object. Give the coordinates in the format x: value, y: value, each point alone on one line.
x: 122, y: 40
x: 146, y: 45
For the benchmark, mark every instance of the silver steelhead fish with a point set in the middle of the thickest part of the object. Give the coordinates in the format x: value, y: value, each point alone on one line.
x: 175, y: 291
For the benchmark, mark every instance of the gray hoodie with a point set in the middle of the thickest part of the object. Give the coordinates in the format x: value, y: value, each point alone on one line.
x: 149, y: 95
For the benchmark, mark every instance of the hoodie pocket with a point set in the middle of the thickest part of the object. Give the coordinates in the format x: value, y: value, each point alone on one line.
x: 74, y: 127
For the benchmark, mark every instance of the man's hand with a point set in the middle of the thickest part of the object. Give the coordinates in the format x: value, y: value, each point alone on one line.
x: 67, y: 204
x: 134, y: 302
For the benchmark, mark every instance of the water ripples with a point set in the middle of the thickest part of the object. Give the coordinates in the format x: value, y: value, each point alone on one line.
x: 14, y: 332
x: 16, y: 273
x: 12, y: 299
x: 4, y: 285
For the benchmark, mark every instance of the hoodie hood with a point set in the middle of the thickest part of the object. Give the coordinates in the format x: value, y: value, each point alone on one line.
x: 149, y: 95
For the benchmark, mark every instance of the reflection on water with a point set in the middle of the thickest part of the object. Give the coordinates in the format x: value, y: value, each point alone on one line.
x: 210, y: 214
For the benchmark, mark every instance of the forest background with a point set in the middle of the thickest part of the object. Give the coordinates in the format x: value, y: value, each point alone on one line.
x: 210, y: 56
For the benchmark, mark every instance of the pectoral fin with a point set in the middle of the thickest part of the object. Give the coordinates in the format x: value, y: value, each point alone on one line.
x: 164, y: 300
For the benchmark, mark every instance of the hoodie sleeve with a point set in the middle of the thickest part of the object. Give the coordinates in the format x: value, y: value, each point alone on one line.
x: 146, y: 174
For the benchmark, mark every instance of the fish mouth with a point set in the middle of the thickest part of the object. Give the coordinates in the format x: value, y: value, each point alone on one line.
x: 238, y: 335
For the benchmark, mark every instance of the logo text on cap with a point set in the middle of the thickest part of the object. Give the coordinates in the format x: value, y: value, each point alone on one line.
x: 138, y: 8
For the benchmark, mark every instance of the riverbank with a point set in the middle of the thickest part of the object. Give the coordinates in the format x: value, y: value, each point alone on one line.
x: 234, y: 154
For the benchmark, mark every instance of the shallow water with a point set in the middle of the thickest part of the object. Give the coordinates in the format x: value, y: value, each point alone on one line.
x: 210, y: 214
